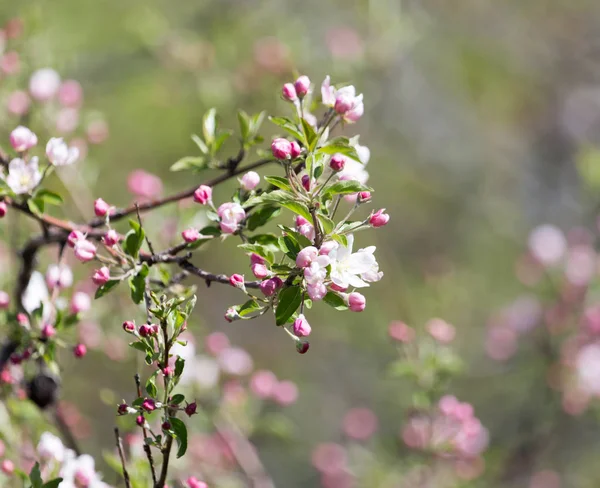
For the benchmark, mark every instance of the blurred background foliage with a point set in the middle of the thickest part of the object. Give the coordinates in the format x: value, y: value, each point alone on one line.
x: 483, y: 120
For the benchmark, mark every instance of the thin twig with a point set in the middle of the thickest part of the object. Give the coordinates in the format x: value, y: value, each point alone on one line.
x: 147, y: 450
x: 209, y: 277
x: 122, y: 456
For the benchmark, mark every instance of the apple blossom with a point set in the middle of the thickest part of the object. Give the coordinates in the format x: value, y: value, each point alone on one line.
x: 59, y: 154
x: 22, y: 139
x: 344, y: 100
x: 301, y: 326
x: 4, y: 300
x: 281, y: 148
x: 101, y: 276
x: 296, y: 150
x: 23, y: 176
x: 59, y: 275
x: 44, y: 84
x: 79, y: 350
x: 84, y: 250
x: 337, y: 162
x: 203, y: 194
x: 302, y: 86
x: 101, y: 208
x: 353, y: 269
x: 111, y: 238
x: 80, y: 302
x: 237, y: 281
x: 259, y: 270
x: 356, y: 302
x: 250, y: 180
x: 74, y: 236
x: 288, y: 92
x: 190, y: 235
x: 231, y: 214
x: 379, y: 218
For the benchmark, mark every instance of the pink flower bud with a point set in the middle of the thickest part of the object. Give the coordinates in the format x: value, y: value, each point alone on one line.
x: 236, y: 280
x: 231, y: 214
x: 23, y: 320
x: 364, y: 196
x: 302, y: 346
x: 356, y: 302
x: 4, y: 300
x: 59, y: 276
x: 260, y: 271
x: 44, y: 84
x: 8, y: 467
x: 190, y: 235
x: 153, y: 329
x: 327, y: 247
x: 289, y: 92
x: 18, y: 103
x: 306, y: 256
x: 337, y: 162
x: 401, y: 332
x: 306, y: 182
x: 285, y: 393
x: 216, y: 342
x: 296, y: 150
x: 148, y: 404
x: 80, y: 350
x: 338, y: 288
x: 343, y: 103
x: 101, y: 276
x: 3, y: 209
x: 262, y: 384
x: 111, y: 238
x: 250, y: 180
x: 84, y: 250
x: 301, y: 326
x: 101, y: 208
x: 308, y: 231
x: 281, y: 148
x: 168, y: 371
x: 302, y: 85
x: 203, y: 194
x: 193, y: 482
x: 256, y: 259
x: 48, y: 331
x: 122, y: 409
x: 268, y: 287
x: 74, y: 236
x: 190, y: 409
x: 140, y: 420
x: 379, y: 218
x: 129, y: 326
x: 145, y: 330
x: 70, y: 93
x: 231, y: 314
x: 80, y: 302
x: 144, y: 184
x: 22, y: 139
x: 316, y: 292
x: 301, y: 221
x: 441, y: 330
x: 166, y: 425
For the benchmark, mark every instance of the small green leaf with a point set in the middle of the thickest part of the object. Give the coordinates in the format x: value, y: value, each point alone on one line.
x: 244, y: 121
x: 35, y: 476
x: 309, y: 134
x: 289, y: 301
x: 177, y: 399
x: 151, y: 386
x: 340, y: 145
x: 49, y: 197
x: 209, y: 126
x: 190, y: 162
x: 298, y: 208
x: 260, y: 250
x: 261, y: 216
x: 289, y: 126
x: 180, y: 431
x: 133, y: 239
x: 105, y: 288
x: 179, y: 365
x: 279, y: 182
x: 137, y: 284
x: 141, y: 346
x: 346, y: 188
x: 200, y: 143
x: 35, y: 205
x: 340, y: 239
x: 248, y: 307
x: 327, y: 223
x: 52, y: 483
x: 335, y: 301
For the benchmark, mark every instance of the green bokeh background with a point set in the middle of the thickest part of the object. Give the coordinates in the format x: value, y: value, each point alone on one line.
x: 482, y: 118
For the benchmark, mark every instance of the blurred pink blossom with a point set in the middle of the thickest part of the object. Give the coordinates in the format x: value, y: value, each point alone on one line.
x: 329, y: 458
x: 548, y: 244
x: 144, y: 184
x: 285, y: 393
x: 360, y: 423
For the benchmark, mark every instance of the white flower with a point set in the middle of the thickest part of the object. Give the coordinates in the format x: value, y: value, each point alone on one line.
x: 353, y: 269
x: 316, y: 272
x: 36, y: 294
x: 51, y: 448
x: 80, y: 471
x: 59, y: 154
x: 23, y: 176
x: 344, y: 101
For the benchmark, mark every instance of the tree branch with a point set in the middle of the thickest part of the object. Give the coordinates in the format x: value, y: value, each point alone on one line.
x: 122, y: 457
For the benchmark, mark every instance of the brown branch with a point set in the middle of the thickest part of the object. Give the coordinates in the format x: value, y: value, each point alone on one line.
x: 122, y: 457
x: 147, y: 450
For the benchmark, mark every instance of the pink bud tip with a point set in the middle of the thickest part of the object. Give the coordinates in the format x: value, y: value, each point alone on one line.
x: 203, y: 194
x: 260, y: 271
x: 356, y: 302
x: 140, y: 420
x: 101, y: 208
x: 289, y: 92
x: 281, y: 148
x: 74, y: 236
x: 401, y: 332
x: 79, y: 350
x: 236, y: 280
x: 145, y: 330
x: 301, y: 221
x: 4, y: 300
x: 306, y: 256
x: 302, y: 346
x: 268, y: 287
x: 364, y: 196
x: 306, y: 182
x: 302, y: 85
x: 296, y: 150
x: 379, y: 218
x: 256, y: 259
x: 250, y: 180
x: 168, y: 371
x: 8, y: 467
x: 48, y: 331
x: 101, y: 276
x: 111, y: 238
x: 129, y: 326
x: 122, y: 409
x: 337, y: 162
x: 149, y: 405
x: 301, y: 326
x: 84, y: 250
x: 190, y: 235
x: 166, y: 425
x: 3, y: 209
x: 193, y: 482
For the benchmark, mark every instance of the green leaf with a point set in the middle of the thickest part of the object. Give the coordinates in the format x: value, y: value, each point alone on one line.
x: 289, y: 301
x: 340, y: 145
x: 200, y: 143
x: 105, y: 288
x: 335, y: 301
x: 151, y: 385
x: 276, y: 196
x: 179, y: 365
x: 177, y: 399
x: 279, y: 182
x: 346, y: 188
x: 180, y: 431
x: 49, y: 197
x: 310, y: 135
x: 299, y: 238
x: 261, y: 216
x: 298, y: 208
x: 52, y: 483
x: 190, y: 162
x: 141, y: 346
x: 220, y: 140
x: 260, y: 250
x: 248, y: 307
x: 35, y: 477
x: 244, y: 121
x: 267, y: 241
x: 289, y: 126
x: 290, y: 246
x: 134, y: 239
x: 340, y: 239
x: 209, y: 126
x: 327, y: 223
x: 35, y: 205
x: 137, y: 284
